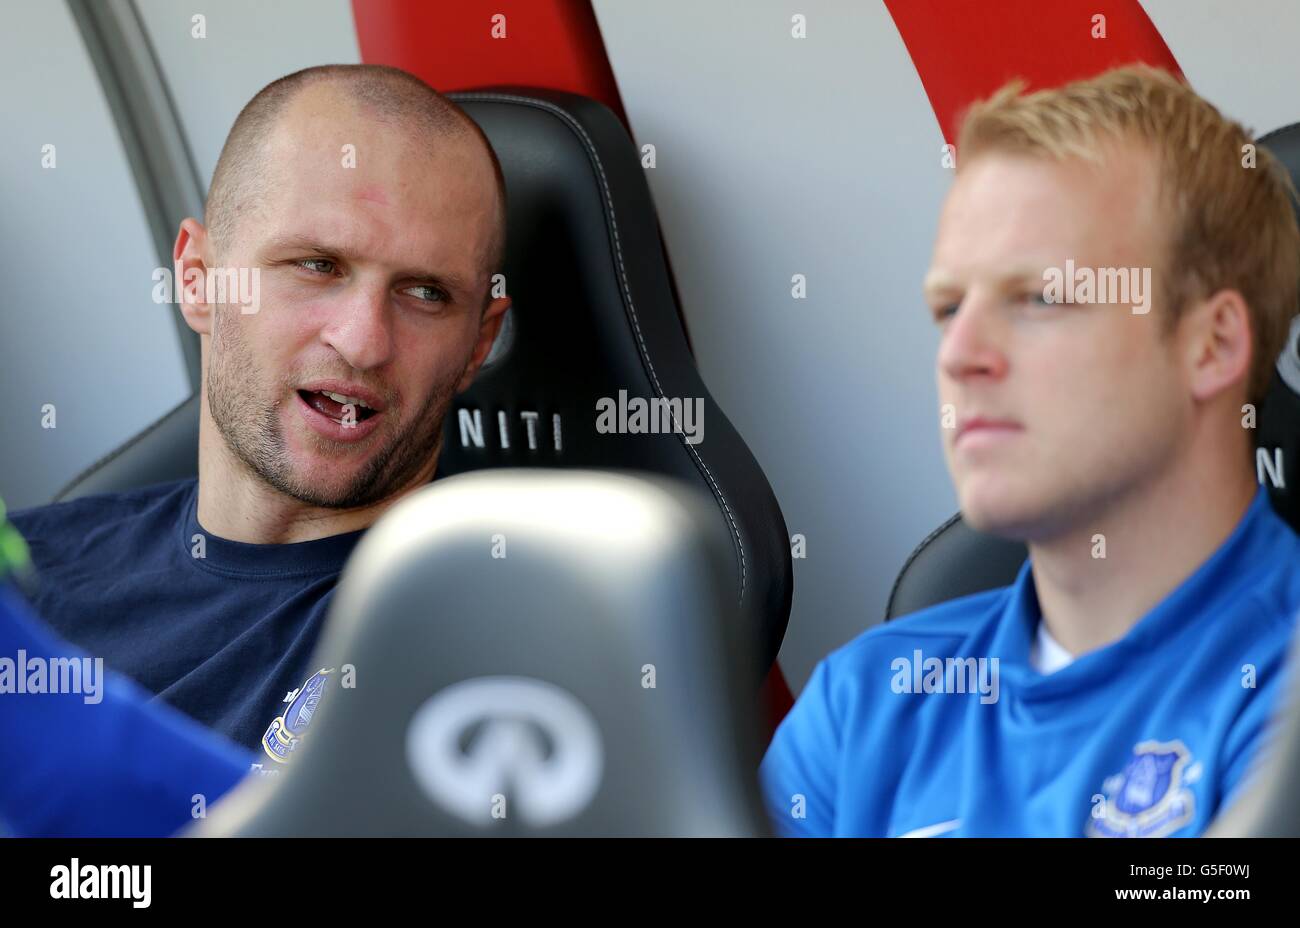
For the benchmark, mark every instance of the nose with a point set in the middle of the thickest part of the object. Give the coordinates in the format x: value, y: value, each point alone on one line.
x: 973, y: 342
x: 361, y: 327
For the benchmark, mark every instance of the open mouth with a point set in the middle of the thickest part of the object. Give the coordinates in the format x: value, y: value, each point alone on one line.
x: 336, y: 405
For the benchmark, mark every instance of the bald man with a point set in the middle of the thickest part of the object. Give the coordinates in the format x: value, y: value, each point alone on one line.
x: 371, y: 213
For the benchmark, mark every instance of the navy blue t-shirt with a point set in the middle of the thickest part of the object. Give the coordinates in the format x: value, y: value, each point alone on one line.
x: 222, y: 630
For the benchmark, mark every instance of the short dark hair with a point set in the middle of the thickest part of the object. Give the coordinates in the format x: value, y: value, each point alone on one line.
x: 392, y: 94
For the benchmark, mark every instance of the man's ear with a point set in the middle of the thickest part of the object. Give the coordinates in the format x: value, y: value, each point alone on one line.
x: 1220, y: 346
x: 191, y: 268
x: 488, y: 328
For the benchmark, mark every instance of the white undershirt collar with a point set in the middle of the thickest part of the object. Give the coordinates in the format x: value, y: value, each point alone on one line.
x: 1046, y: 654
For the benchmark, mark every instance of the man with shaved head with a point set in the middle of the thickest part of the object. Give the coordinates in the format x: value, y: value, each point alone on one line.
x: 370, y: 211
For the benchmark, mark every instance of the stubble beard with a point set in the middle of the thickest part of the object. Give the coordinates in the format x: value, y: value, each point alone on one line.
x: 251, y: 428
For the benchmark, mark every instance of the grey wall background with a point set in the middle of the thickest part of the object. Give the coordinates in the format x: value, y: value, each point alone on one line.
x: 1240, y: 56
x: 78, y: 329
x: 212, y: 79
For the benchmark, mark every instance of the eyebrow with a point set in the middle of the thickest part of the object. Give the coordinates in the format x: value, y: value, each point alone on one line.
x: 310, y: 246
x: 937, y: 281
x: 940, y: 282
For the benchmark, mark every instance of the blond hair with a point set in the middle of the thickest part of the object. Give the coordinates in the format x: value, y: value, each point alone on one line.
x: 1231, y: 227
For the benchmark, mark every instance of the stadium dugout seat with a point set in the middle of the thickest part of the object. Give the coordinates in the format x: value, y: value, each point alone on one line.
x: 595, y: 680
x: 955, y: 560
x: 594, y: 313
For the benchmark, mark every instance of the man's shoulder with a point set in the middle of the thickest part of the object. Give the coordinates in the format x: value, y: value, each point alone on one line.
x: 1274, y: 580
x: 132, y: 499
x: 102, y: 510
x: 951, y: 621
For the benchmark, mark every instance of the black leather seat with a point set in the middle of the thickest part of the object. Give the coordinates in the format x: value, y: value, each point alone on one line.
x: 604, y: 686
x: 594, y: 313
x: 955, y: 560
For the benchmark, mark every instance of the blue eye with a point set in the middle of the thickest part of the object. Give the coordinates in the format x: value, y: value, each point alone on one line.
x: 427, y: 294
x: 942, y: 313
x: 306, y: 264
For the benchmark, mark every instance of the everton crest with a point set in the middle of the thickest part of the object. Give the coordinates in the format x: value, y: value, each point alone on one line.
x: 284, y: 733
x: 1149, y: 798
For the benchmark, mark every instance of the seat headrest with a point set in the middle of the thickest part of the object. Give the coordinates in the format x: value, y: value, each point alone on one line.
x: 598, y: 340
x: 531, y: 652
x: 1278, y: 434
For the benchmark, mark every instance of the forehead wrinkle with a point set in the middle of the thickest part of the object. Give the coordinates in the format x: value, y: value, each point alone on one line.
x: 367, y: 202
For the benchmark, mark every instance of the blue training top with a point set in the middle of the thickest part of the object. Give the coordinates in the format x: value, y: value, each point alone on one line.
x: 937, y: 724
x: 87, y: 753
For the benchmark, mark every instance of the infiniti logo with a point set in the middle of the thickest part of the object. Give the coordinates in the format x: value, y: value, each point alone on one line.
x: 517, y: 737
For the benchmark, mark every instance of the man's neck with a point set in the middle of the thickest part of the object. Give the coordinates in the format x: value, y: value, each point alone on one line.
x: 237, y: 505
x: 1153, y: 542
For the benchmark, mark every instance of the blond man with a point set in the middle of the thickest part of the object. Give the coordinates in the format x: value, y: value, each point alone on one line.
x: 1113, y: 278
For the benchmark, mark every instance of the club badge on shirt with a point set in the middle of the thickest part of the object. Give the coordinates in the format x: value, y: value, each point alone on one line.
x: 1149, y: 798
x: 285, y: 732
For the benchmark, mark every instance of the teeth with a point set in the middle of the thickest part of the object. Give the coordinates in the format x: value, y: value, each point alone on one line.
x: 346, y: 400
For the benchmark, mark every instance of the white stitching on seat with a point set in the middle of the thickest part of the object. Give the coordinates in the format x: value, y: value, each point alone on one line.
x: 627, y: 290
x: 916, y: 552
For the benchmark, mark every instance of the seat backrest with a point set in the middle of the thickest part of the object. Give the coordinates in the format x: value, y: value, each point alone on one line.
x: 955, y: 560
x: 594, y: 328
x: 592, y: 680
